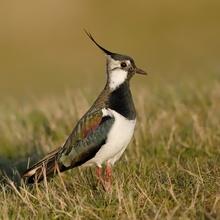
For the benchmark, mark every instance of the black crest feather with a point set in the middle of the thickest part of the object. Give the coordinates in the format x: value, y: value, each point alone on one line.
x: 103, y: 49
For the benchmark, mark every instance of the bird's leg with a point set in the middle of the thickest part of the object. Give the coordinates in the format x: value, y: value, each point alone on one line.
x: 108, y: 173
x: 108, y: 176
x: 99, y: 175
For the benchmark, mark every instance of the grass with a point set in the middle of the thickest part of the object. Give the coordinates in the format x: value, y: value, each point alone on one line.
x: 171, y: 169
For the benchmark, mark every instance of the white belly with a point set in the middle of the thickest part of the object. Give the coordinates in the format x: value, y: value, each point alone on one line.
x: 117, y: 140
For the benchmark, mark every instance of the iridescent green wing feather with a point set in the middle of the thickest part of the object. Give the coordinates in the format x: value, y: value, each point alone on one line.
x: 86, y: 139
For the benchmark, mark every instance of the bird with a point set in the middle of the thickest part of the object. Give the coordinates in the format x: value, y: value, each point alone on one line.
x: 102, y: 134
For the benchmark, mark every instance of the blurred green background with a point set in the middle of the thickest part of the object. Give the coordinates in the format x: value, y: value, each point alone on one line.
x: 44, y: 50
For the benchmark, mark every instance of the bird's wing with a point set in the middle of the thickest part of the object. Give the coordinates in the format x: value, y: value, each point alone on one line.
x: 86, y: 139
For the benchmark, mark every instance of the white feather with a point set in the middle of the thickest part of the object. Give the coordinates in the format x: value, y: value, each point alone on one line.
x: 32, y: 172
x: 116, y: 74
x: 117, y: 140
x: 116, y: 78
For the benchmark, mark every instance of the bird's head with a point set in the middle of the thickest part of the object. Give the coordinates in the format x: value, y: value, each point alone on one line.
x: 120, y: 68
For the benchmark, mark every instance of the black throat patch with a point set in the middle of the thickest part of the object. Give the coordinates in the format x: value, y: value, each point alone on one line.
x: 121, y: 101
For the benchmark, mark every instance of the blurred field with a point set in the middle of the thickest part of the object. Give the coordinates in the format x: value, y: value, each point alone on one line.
x: 50, y: 75
x: 43, y: 48
x: 170, y: 170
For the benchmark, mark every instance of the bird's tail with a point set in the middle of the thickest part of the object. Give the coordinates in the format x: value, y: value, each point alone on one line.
x: 44, y: 168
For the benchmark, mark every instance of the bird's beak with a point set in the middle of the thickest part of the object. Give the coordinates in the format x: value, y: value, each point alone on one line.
x: 139, y: 71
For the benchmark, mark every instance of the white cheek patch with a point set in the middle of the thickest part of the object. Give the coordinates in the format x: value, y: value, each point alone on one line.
x: 116, y: 78
x: 116, y: 74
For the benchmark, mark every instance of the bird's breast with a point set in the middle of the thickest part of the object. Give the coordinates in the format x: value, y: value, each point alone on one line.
x: 117, y: 140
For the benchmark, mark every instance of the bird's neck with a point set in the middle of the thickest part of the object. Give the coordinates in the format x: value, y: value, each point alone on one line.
x: 121, y: 101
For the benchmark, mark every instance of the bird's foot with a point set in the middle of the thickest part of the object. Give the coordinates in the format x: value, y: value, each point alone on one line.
x: 107, y: 187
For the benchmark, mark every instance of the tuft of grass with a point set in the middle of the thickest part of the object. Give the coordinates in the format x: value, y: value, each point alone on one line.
x: 171, y: 169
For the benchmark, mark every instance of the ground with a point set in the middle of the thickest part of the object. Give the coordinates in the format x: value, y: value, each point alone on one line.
x: 171, y: 168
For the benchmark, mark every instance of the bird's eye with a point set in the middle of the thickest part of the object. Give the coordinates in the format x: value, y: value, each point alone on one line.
x: 123, y: 64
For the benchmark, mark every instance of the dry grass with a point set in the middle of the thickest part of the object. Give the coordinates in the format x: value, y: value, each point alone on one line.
x: 171, y: 170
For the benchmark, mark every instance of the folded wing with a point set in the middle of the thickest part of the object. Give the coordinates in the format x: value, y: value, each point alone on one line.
x: 84, y: 142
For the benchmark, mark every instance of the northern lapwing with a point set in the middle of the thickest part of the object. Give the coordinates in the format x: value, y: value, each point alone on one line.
x: 103, y: 133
